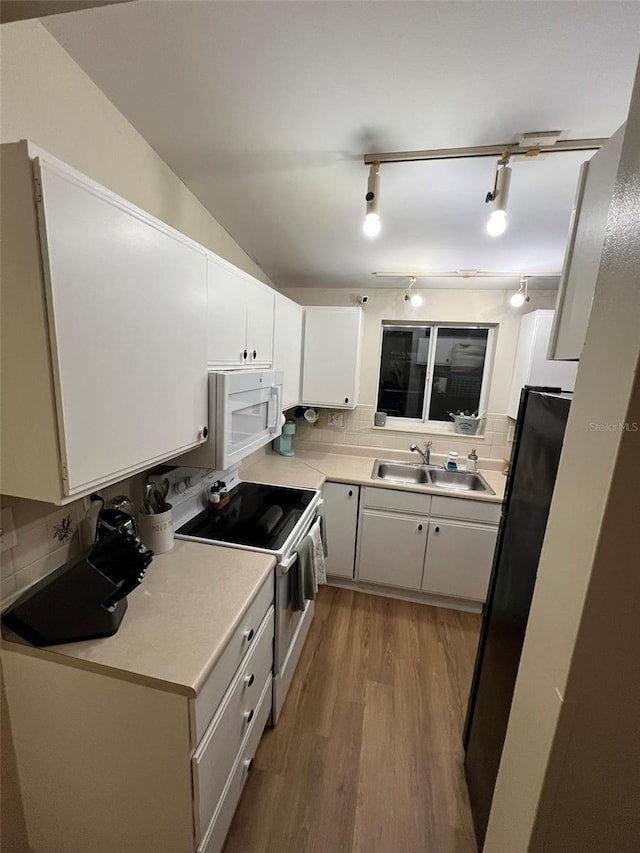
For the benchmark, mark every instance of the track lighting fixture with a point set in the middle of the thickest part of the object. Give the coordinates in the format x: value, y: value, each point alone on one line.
x: 371, y: 225
x: 521, y: 296
x: 499, y: 197
x: 414, y: 298
x: 528, y: 147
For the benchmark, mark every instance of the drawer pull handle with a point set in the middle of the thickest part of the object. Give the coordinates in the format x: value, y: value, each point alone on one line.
x: 249, y: 679
x: 249, y: 765
x: 249, y: 716
x: 249, y: 635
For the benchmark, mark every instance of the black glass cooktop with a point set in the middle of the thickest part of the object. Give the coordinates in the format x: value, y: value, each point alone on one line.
x: 258, y: 515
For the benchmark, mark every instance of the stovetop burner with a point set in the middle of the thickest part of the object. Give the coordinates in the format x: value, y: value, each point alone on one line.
x: 257, y: 515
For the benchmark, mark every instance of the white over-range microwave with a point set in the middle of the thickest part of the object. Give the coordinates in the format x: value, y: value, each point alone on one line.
x: 244, y: 414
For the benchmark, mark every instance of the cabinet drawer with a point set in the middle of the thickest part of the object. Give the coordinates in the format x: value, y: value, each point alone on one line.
x: 218, y: 750
x: 397, y: 500
x: 469, y: 510
x: 219, y: 826
x: 215, y: 687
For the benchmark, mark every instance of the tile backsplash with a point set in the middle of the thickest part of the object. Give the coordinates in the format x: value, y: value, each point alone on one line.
x: 358, y: 432
x: 50, y: 535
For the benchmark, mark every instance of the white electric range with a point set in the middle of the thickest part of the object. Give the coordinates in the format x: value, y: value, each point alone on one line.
x: 259, y: 517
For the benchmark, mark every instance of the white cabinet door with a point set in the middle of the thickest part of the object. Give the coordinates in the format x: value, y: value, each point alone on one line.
x: 240, y: 318
x: 584, y: 249
x: 340, y: 513
x: 287, y: 348
x: 391, y: 549
x: 459, y: 559
x: 331, y: 362
x: 226, y: 316
x: 531, y: 366
x: 127, y: 310
x: 259, y: 300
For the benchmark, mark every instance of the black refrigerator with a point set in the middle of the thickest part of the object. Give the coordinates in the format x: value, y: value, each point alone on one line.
x: 540, y: 427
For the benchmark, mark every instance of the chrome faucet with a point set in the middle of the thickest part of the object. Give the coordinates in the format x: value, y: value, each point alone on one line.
x: 425, y: 454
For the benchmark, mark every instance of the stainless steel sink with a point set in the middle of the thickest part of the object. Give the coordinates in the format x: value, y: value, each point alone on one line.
x: 400, y: 472
x: 460, y: 481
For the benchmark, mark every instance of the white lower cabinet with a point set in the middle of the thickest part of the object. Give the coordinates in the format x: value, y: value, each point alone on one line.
x: 109, y: 764
x: 439, y: 546
x: 459, y: 559
x: 392, y: 548
x: 340, y: 512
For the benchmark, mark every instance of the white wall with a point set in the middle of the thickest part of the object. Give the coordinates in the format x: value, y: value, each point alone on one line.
x: 48, y: 99
x: 569, y: 778
x: 444, y: 306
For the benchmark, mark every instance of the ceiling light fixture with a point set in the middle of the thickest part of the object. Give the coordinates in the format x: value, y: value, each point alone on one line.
x: 371, y: 225
x: 521, y: 296
x: 499, y: 198
x: 414, y: 298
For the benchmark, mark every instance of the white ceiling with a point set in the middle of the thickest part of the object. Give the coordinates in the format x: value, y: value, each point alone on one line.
x: 264, y: 109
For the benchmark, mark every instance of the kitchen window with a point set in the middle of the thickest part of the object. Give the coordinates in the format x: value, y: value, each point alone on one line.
x: 427, y: 371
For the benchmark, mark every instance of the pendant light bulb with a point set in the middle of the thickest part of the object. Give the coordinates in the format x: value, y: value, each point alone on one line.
x: 371, y: 225
x: 520, y: 296
x: 497, y: 223
x: 499, y: 198
x: 416, y: 300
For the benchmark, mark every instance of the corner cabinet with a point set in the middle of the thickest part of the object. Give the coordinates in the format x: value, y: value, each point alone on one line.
x: 240, y: 316
x: 103, y: 333
x: 287, y: 348
x: 331, y: 357
x: 584, y: 249
x: 531, y: 365
x: 340, y: 511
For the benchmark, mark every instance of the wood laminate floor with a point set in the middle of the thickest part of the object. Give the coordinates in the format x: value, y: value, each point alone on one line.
x: 367, y: 754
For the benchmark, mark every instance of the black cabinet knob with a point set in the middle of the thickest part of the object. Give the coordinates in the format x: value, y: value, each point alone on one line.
x: 419, y: 527
x: 250, y: 716
x: 249, y: 680
x: 205, y: 432
x: 249, y: 634
x: 255, y: 354
x: 346, y: 399
x: 437, y: 530
x: 244, y: 354
x: 249, y: 765
x: 350, y: 493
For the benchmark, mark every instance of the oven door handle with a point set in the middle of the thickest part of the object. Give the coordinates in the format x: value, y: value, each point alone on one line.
x: 286, y: 564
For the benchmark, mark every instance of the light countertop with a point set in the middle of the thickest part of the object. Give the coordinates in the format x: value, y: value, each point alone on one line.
x: 178, y: 621
x: 356, y: 470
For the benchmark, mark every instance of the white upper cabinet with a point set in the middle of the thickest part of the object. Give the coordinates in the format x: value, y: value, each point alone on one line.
x: 531, y: 365
x: 103, y: 333
x: 240, y: 317
x: 287, y: 348
x: 584, y: 249
x: 331, y: 357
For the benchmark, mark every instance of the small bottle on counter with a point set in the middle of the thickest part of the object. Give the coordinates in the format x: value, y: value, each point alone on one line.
x: 472, y: 461
x: 452, y: 461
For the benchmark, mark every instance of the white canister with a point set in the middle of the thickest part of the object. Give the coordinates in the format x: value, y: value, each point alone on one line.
x: 156, y: 530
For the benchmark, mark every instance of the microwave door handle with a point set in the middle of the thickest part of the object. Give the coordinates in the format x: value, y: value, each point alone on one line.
x: 273, y: 410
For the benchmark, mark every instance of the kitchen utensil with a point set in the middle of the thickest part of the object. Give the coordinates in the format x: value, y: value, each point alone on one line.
x: 156, y: 530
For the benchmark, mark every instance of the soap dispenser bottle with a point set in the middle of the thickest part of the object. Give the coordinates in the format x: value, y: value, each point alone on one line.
x: 472, y: 461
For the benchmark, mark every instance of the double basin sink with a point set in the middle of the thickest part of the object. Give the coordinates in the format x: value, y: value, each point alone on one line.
x: 411, y: 473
